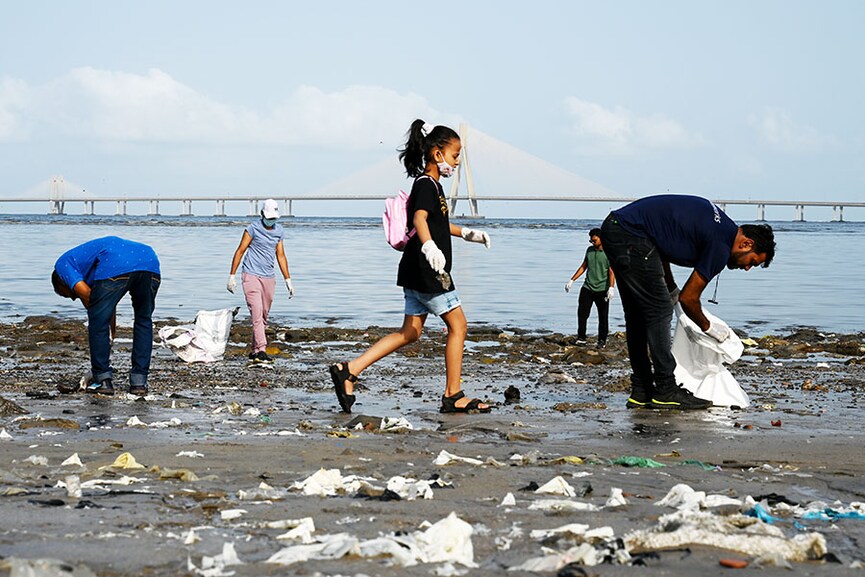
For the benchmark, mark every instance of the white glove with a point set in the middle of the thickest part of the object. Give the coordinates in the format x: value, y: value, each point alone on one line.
x: 568, y: 285
x: 718, y: 332
x: 610, y: 292
x: 674, y: 296
x: 289, y: 287
x: 232, y: 283
x: 475, y: 236
x: 434, y: 256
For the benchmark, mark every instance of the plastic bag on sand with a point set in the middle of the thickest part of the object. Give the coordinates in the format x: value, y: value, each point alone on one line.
x: 739, y: 533
x: 447, y: 541
x: 43, y: 568
x: 700, y: 362
x: 205, y: 343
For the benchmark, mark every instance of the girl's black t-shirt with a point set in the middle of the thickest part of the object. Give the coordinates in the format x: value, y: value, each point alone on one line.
x: 414, y: 271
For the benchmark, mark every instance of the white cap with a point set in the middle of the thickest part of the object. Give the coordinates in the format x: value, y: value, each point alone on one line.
x: 271, y: 209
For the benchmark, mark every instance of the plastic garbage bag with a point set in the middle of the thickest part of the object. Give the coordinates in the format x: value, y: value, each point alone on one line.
x: 557, y: 486
x: 700, y: 362
x: 206, y: 341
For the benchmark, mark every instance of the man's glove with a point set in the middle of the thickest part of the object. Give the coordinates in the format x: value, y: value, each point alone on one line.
x: 610, y: 292
x: 434, y: 256
x: 568, y: 285
x: 718, y: 332
x: 475, y: 236
x: 232, y: 283
x: 289, y: 287
x: 674, y: 296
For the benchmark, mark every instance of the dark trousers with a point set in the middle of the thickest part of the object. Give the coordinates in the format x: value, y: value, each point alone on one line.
x: 646, y: 303
x: 587, y: 299
x: 142, y: 286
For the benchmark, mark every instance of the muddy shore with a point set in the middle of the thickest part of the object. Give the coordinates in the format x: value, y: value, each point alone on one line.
x: 217, y: 432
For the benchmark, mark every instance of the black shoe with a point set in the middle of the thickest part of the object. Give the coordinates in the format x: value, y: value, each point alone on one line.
x: 581, y: 340
x: 641, y: 397
x: 263, y: 357
x: 105, y: 387
x: 678, y: 398
x: 138, y: 390
x: 601, y: 344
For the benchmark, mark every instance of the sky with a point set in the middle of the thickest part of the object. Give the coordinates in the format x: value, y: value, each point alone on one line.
x: 724, y: 99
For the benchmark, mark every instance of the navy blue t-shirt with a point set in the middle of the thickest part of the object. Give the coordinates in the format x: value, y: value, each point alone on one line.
x: 688, y: 230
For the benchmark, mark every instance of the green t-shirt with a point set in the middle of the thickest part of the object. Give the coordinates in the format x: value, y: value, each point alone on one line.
x: 598, y: 271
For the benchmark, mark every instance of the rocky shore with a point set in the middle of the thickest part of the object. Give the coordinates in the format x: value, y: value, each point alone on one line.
x: 231, y: 460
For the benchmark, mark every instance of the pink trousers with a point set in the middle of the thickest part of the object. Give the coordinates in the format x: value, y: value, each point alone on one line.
x: 259, y: 297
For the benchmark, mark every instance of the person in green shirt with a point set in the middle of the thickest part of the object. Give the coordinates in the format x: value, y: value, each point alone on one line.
x: 597, y: 289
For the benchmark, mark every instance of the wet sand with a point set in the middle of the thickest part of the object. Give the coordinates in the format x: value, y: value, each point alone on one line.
x: 279, y: 426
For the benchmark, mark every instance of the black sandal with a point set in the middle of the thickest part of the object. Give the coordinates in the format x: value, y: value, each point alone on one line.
x: 449, y: 405
x: 339, y: 377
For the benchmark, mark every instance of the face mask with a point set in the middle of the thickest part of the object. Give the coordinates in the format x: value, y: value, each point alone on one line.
x: 445, y: 169
x: 268, y: 222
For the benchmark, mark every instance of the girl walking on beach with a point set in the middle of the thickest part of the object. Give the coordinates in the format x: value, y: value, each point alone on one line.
x: 424, y: 270
x: 263, y: 241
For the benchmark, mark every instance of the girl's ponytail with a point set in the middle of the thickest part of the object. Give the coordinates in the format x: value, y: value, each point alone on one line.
x: 415, y: 154
x: 412, y: 154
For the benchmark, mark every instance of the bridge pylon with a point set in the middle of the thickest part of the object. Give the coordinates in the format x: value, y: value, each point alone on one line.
x: 464, y: 165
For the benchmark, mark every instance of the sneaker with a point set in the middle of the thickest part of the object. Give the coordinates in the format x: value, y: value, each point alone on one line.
x: 138, y: 390
x: 581, y: 340
x: 601, y: 344
x: 105, y: 387
x: 263, y: 357
x: 640, y: 398
x: 678, y: 398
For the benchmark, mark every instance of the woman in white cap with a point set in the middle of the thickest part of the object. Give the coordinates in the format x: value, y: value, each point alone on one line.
x: 263, y: 238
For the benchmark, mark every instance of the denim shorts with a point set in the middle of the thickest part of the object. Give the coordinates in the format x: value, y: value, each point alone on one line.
x: 418, y: 303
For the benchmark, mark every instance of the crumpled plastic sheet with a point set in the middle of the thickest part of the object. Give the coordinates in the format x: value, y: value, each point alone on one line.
x: 263, y: 492
x: 557, y: 486
x: 4, y: 436
x: 585, y: 554
x: 215, y: 566
x: 205, y: 342
x: 446, y: 541
x: 328, y: 483
x: 740, y: 533
x: 43, y: 568
x: 394, y: 424
x: 684, y: 498
x: 561, y: 505
x: 445, y: 458
x: 410, y: 489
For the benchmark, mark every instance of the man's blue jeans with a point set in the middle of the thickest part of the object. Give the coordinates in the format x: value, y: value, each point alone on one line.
x: 142, y: 286
x: 646, y: 302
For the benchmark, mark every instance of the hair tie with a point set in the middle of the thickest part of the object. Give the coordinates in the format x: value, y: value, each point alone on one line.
x: 427, y: 127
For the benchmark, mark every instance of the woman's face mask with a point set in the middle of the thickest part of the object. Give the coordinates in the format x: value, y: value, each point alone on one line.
x: 445, y: 169
x: 268, y: 222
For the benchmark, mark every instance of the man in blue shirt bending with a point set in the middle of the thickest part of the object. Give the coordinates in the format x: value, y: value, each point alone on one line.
x: 100, y: 272
x: 641, y: 240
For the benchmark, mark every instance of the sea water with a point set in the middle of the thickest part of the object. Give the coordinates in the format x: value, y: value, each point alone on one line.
x: 344, y: 273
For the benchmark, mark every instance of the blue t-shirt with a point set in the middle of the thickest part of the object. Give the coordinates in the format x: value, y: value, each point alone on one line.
x: 103, y: 258
x: 260, y: 257
x: 688, y: 230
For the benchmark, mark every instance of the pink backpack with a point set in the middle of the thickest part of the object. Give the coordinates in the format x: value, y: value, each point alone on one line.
x: 395, y: 219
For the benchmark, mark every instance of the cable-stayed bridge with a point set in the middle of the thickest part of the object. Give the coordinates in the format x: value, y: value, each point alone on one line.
x: 490, y: 171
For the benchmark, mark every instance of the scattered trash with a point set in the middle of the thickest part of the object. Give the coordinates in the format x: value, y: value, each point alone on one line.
x: 561, y: 505
x: 617, y: 498
x: 395, y: 424
x: 508, y: 501
x: 4, y: 436
x: 44, y: 568
x: 740, y: 533
x: 215, y: 566
x: 73, y: 486
x: 776, y: 423
x: 203, y: 343
x: 557, y: 486
x: 190, y: 454
x: 645, y: 462
x: 733, y: 563
x: 232, y: 514
x: 38, y: 460
x: 72, y: 461
x: 445, y: 458
x: 124, y: 461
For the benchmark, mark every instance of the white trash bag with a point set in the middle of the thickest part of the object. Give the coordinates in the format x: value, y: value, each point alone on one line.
x: 205, y: 343
x: 700, y: 362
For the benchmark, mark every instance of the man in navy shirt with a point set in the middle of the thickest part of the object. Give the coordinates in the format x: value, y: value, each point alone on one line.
x: 641, y: 240
x: 100, y: 272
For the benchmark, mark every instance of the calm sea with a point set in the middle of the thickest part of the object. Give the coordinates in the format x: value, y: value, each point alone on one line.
x: 344, y: 273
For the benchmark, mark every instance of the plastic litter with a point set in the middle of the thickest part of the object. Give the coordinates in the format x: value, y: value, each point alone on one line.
x: 393, y: 424
x: 617, y: 498
x: 700, y: 362
x: 410, y: 489
x: 4, y: 436
x: 328, y: 483
x: 215, y: 566
x: 684, y: 498
x: 73, y: 486
x: 508, y: 501
x: 203, y: 343
x: 44, y: 568
x: 38, y: 460
x: 124, y: 461
x: 446, y: 541
x: 445, y: 458
x: 644, y: 462
x: 761, y: 513
x: 557, y: 486
x: 232, y: 514
x: 72, y: 461
x: 561, y: 505
x: 739, y: 533
x: 190, y: 454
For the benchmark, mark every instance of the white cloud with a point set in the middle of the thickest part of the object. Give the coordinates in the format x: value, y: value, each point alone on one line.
x: 154, y: 107
x: 620, y: 131
x: 13, y: 103
x: 776, y: 129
